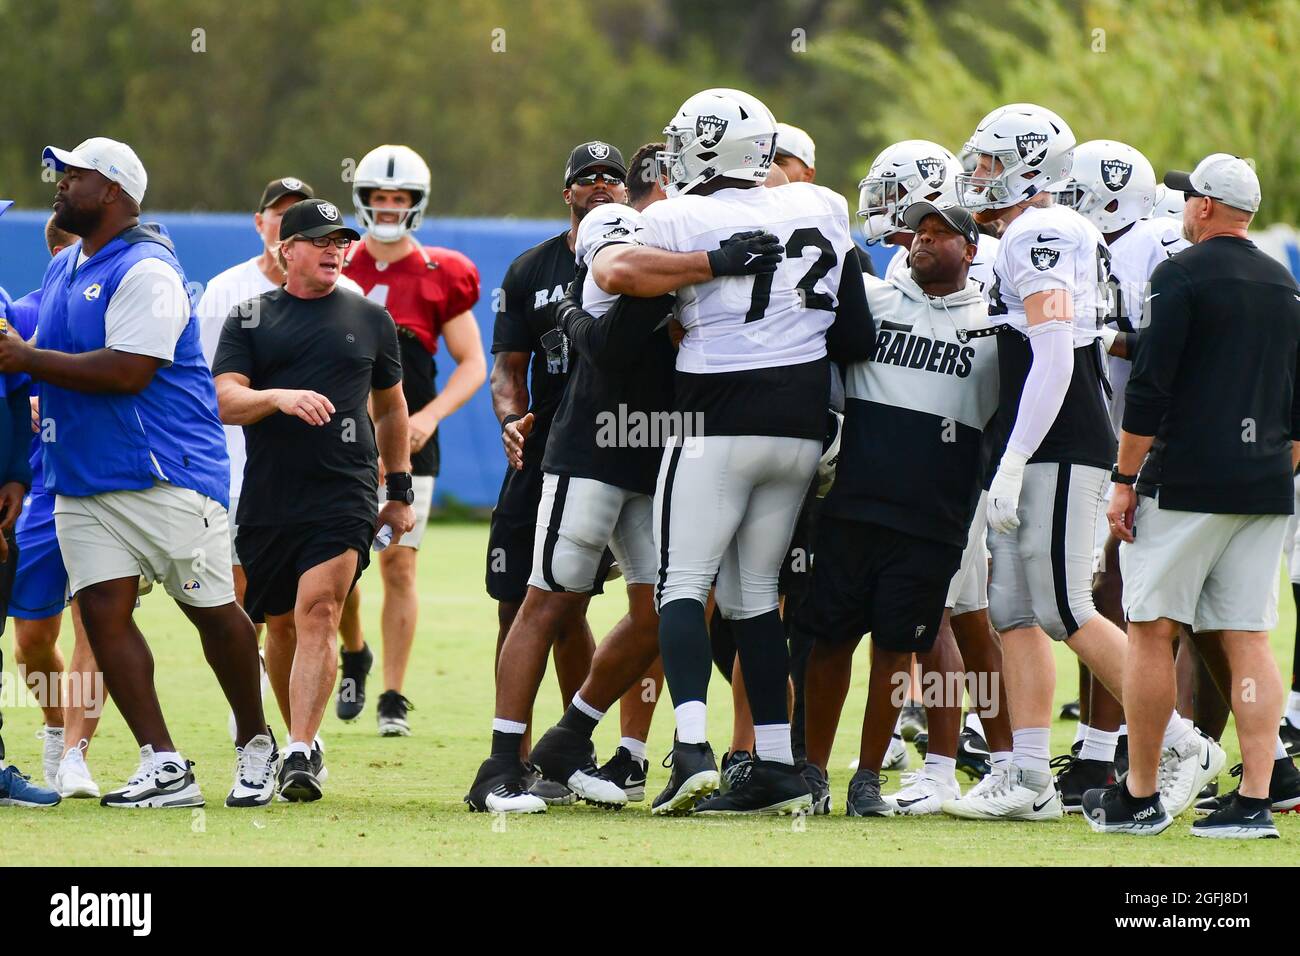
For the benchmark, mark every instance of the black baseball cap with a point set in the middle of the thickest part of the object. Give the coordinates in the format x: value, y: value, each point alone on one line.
x: 594, y: 153
x: 958, y: 217
x: 277, y: 189
x: 314, y: 218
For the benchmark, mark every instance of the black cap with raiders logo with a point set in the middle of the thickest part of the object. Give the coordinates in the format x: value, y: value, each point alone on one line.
x: 277, y: 189
x: 591, y: 154
x: 314, y: 218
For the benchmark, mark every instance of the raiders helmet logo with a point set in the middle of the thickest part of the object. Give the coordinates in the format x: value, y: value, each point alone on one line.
x: 598, y: 150
x: 931, y: 170
x: 1043, y: 258
x: 1027, y: 143
x: 1115, y: 174
x: 290, y: 183
x: 709, y: 130
x: 329, y: 211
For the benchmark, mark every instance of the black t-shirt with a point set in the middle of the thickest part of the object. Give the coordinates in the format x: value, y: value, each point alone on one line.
x: 342, y: 345
x: 420, y: 387
x: 535, y: 281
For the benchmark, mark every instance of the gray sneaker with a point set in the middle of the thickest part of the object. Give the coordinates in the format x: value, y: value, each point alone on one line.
x: 864, y: 796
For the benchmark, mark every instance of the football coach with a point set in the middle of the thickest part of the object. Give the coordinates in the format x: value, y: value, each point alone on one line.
x: 1212, y: 397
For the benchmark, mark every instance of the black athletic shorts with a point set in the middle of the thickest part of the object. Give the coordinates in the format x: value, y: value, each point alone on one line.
x: 274, y: 557
x: 796, y: 569
x: 871, y: 579
x: 510, y: 537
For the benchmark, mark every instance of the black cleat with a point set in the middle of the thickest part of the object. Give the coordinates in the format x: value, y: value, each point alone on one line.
x: 566, y: 756
x: 820, y: 788
x: 912, y: 721
x: 627, y: 772
x: 1283, y: 790
x: 499, y: 788
x: 351, y: 697
x: 922, y: 743
x: 1290, y: 735
x: 694, y: 776
x: 769, y: 787
x: 973, y: 755
x: 392, y: 709
x: 1112, y: 810
x: 1234, y: 821
x: 735, y: 768
x: 1076, y: 776
x: 1208, y: 792
x: 297, y: 782
x: 1070, y: 711
x: 864, y: 796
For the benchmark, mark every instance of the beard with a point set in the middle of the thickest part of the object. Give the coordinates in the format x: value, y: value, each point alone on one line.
x: 78, y: 221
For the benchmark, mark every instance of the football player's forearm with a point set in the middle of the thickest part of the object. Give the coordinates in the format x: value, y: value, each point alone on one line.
x: 646, y: 272
x: 509, y: 391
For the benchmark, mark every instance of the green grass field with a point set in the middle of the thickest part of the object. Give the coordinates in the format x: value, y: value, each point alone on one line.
x: 398, y: 801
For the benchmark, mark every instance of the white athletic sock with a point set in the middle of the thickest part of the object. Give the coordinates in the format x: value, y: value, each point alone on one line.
x: 974, y: 723
x: 1000, y: 759
x: 1123, y: 730
x: 941, y: 768
x: 1080, y: 732
x: 163, y: 756
x: 633, y: 746
x: 692, y: 722
x: 502, y: 726
x: 1293, y: 708
x: 586, y: 708
x: 1100, y: 745
x: 298, y: 747
x: 1032, y: 748
x: 772, y: 743
x: 1175, y: 730
x: 1279, y: 751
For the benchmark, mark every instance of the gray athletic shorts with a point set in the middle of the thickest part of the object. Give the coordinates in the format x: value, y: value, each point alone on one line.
x: 1042, y: 571
x: 576, y: 520
x: 726, y: 508
x: 969, y: 589
x: 1292, y: 533
x: 1212, y: 572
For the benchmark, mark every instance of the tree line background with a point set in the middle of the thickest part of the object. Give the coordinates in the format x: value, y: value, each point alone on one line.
x: 219, y: 96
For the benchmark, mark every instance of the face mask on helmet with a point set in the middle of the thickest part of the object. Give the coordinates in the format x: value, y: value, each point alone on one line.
x: 408, y: 219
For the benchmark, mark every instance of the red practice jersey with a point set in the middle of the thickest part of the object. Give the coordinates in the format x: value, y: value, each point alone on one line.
x: 421, y: 291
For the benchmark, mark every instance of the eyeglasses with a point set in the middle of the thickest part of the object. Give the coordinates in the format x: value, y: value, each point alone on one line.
x: 324, y: 242
x: 609, y: 179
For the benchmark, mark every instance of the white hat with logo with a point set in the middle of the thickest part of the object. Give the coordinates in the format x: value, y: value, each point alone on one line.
x: 111, y: 159
x: 1229, y: 179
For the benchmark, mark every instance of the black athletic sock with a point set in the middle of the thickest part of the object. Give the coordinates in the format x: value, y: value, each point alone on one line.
x: 504, y: 743
x: 575, y: 720
x: 1253, y: 803
x: 1295, y: 654
x: 1137, y: 802
x: 722, y: 644
x: 801, y: 642
x: 684, y: 646
x: 765, y: 661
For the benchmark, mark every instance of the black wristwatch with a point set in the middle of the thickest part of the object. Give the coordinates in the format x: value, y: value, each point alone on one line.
x: 1118, y: 478
x: 400, y: 487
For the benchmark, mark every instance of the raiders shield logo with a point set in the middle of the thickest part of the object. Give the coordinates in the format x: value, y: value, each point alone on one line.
x: 1115, y: 174
x: 329, y: 211
x: 931, y: 170
x: 709, y: 130
x: 598, y: 150
x: 1044, y: 259
x: 290, y: 183
x: 1027, y: 143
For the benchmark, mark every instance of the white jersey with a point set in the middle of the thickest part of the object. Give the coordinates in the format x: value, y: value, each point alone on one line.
x: 224, y: 292
x: 1133, y: 257
x: 981, y: 270
x: 1050, y: 247
x: 738, y: 323
x: 607, y: 224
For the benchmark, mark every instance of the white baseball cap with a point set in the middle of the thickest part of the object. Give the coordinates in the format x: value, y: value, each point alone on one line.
x: 111, y: 159
x: 793, y: 141
x: 1229, y: 179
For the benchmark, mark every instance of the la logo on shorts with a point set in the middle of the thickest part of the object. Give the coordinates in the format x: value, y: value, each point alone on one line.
x: 191, y: 585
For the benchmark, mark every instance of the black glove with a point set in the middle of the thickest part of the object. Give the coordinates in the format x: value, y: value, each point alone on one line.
x: 746, y: 254
x: 570, y: 304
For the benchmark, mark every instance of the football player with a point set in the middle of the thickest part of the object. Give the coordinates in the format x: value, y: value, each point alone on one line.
x: 753, y: 371
x: 1057, y: 443
x: 429, y: 292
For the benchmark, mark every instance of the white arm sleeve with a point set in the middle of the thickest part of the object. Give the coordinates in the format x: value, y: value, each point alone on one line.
x: 1052, y: 343
x: 148, y: 312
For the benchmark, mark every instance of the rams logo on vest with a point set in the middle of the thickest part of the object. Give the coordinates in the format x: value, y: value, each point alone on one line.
x: 92, y: 292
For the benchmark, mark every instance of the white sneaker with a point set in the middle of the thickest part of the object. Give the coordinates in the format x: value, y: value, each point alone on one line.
x: 73, y: 778
x: 1013, y: 795
x: 257, y: 765
x: 896, y: 755
x: 156, y: 784
x: 922, y: 794
x: 51, y: 753
x: 987, y: 782
x: 1185, y: 769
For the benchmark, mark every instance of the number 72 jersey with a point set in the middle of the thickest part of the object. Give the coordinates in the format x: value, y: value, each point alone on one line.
x: 749, y: 322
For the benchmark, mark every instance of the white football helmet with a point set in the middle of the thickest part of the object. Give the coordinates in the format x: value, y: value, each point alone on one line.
x: 1034, y: 146
x: 830, y: 458
x: 903, y: 173
x: 391, y: 167
x: 1111, y: 184
x: 1168, y: 203
x: 719, y: 132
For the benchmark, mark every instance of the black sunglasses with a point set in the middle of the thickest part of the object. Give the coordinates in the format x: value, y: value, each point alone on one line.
x: 610, y: 179
x: 323, y: 242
